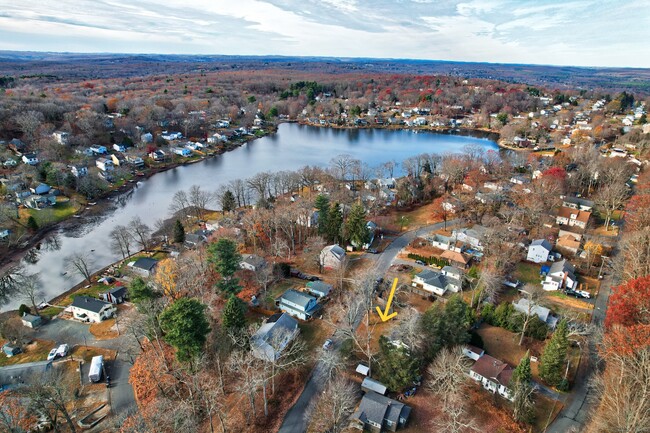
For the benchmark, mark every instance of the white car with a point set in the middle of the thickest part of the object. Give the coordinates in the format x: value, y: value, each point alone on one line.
x: 328, y: 344
x: 62, y: 350
x: 10, y: 163
x: 584, y: 294
x: 52, y: 354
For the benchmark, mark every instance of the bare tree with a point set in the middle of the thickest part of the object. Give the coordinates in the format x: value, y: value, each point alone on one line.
x: 448, y: 372
x: 180, y: 202
x: 121, y: 240
x: 609, y: 198
x: 199, y: 200
x: 29, y: 122
x: 80, y: 264
x: 50, y: 395
x: 533, y: 295
x: 30, y: 289
x: 246, y: 367
x: 331, y: 410
x: 454, y: 417
x: 140, y: 232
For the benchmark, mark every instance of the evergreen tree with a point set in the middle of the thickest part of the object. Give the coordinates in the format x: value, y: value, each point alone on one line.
x: 553, y: 360
x: 228, y: 202
x: 445, y: 326
x: 140, y: 291
x: 186, y: 327
x: 179, y: 232
x: 334, y: 223
x: 322, y: 205
x: 356, y: 226
x: 396, y: 367
x: 522, y: 391
x: 225, y: 257
x: 233, y: 316
x: 32, y: 224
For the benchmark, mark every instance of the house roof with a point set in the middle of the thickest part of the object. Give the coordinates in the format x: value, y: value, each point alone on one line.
x: 568, y: 241
x: 453, y: 271
x: 541, y: 243
x: 493, y: 369
x: 146, y: 263
x: 374, y: 385
x: 523, y: 304
x: 31, y: 318
x: 253, y: 260
x: 118, y: 292
x: 377, y: 408
x: 454, y: 257
x: 580, y: 215
x: 273, y: 336
x: 319, y: 287
x: 579, y: 201
x: 298, y: 298
x: 336, y: 250
x: 561, y: 267
x: 89, y: 304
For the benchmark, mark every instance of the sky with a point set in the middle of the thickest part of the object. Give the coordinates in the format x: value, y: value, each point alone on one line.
x: 554, y: 32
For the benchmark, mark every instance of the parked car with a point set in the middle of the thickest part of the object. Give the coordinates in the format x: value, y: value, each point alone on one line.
x: 52, y: 354
x: 420, y: 262
x: 328, y: 344
x: 584, y: 294
x: 62, y: 350
x: 10, y: 163
x: 373, y: 251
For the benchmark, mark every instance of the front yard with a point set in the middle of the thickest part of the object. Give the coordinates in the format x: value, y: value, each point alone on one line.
x: 37, y: 350
x: 527, y: 273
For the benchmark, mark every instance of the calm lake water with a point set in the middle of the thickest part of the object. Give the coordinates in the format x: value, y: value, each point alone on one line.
x: 291, y: 148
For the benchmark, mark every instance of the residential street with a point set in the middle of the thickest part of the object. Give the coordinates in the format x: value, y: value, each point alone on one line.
x: 578, y: 405
x: 294, y: 420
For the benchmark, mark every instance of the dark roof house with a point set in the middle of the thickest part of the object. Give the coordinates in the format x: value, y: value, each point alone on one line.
x: 377, y: 413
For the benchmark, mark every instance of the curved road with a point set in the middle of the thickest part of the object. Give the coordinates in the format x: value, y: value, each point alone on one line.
x: 294, y: 420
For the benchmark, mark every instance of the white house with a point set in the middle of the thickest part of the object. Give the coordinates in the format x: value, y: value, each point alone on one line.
x: 252, y: 262
x: 470, y: 236
x: 539, y: 250
x: 432, y: 281
x: 182, y: 151
x: 104, y: 164
x: 78, y: 170
x: 30, y: 159
x: 544, y: 314
x: 560, y: 276
x: 144, y: 266
x: 493, y: 374
x: 332, y: 256
x: 473, y: 352
x: 572, y: 217
x: 89, y: 309
x: 61, y: 137
x: 119, y: 147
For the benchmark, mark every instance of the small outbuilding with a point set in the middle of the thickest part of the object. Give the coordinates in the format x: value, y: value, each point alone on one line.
x: 31, y: 321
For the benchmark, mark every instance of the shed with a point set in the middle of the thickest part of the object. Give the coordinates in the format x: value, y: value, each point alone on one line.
x: 11, y: 350
x: 318, y: 288
x: 371, y: 385
x: 31, y: 321
x: 363, y: 369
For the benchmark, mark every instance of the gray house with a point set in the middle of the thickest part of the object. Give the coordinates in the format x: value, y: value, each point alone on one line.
x: 144, y: 266
x: 318, y: 288
x: 377, y: 413
x: 116, y: 295
x: 297, y: 304
x: 273, y: 336
x: 31, y: 321
x: 252, y: 262
x: 332, y: 256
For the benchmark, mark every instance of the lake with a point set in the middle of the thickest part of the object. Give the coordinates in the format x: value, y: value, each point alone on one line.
x: 292, y: 147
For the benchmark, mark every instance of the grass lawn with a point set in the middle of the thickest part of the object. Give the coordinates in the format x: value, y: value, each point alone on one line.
x: 546, y: 410
x: 560, y: 299
x: 86, y: 353
x: 504, y: 345
x: 93, y: 291
x: 35, y: 351
x: 60, y: 211
x: 315, y: 333
x: 50, y: 312
x: 104, y: 330
x: 527, y: 273
x: 279, y: 288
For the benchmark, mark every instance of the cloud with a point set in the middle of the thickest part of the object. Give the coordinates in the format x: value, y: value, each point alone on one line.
x: 580, y: 32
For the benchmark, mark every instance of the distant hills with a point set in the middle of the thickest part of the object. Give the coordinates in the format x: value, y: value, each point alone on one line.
x: 66, y: 66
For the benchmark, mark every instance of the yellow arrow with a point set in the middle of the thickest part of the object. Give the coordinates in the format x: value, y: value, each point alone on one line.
x: 384, y: 315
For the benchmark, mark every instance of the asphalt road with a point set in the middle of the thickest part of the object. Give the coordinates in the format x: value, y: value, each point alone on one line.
x: 579, y: 405
x: 294, y: 420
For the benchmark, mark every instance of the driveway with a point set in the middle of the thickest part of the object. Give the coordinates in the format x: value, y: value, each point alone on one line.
x: 294, y: 420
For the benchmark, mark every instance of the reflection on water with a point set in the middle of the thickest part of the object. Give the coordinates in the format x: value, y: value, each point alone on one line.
x: 291, y: 148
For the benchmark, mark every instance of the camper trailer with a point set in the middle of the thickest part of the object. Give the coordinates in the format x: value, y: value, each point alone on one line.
x: 96, y: 367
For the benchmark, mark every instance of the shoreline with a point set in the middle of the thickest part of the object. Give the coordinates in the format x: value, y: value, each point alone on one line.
x: 16, y: 255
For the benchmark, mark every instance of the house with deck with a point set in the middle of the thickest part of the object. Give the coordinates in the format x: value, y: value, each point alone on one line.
x: 377, y: 413
x: 274, y: 336
x: 298, y: 304
x: 561, y: 276
x: 494, y: 375
x: 89, y: 309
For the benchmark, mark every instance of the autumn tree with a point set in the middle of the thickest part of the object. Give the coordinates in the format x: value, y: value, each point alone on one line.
x: 593, y: 250
x: 629, y: 303
x: 554, y: 357
x: 166, y: 277
x: 186, y: 327
x: 224, y: 256
x: 15, y: 416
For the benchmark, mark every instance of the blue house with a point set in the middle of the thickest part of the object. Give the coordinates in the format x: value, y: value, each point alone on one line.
x: 182, y: 151
x: 297, y: 304
x: 98, y: 150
